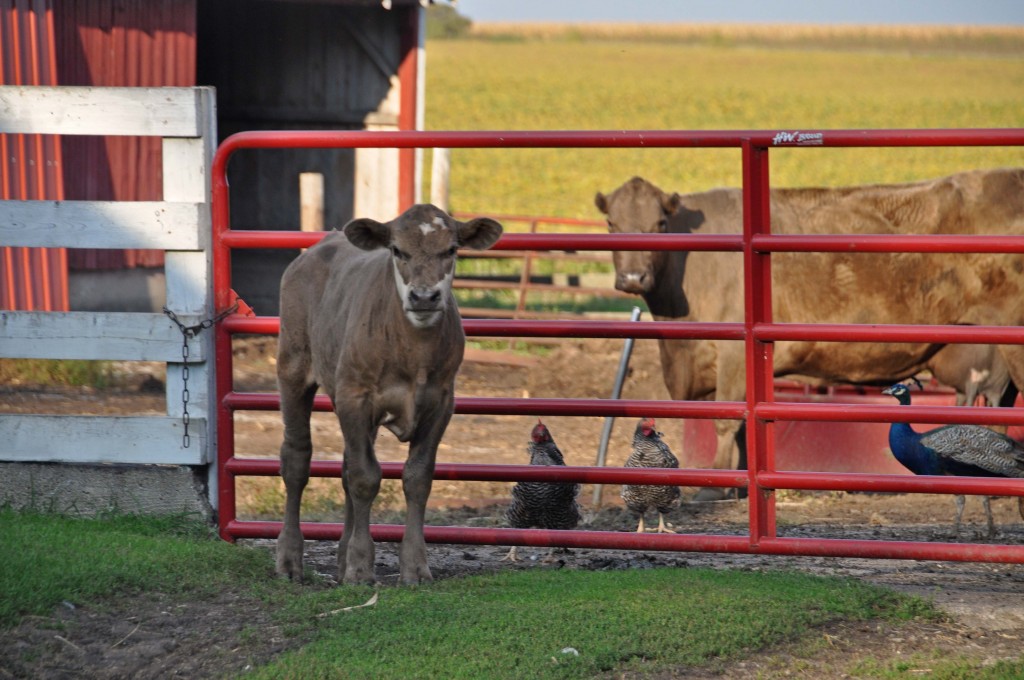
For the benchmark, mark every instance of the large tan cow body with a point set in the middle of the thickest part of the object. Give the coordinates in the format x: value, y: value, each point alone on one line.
x: 368, y: 316
x: 907, y: 288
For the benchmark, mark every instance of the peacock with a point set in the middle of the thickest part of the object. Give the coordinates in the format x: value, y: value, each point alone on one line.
x: 546, y: 505
x: 960, y: 450
x: 650, y: 451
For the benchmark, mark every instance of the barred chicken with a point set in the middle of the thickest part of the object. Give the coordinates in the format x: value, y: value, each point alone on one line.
x: 650, y: 451
x: 544, y: 505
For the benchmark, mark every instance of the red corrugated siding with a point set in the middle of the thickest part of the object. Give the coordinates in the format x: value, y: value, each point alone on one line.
x: 30, y: 278
x: 142, y: 43
x: 134, y: 43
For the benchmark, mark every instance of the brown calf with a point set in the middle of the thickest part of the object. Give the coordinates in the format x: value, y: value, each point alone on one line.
x: 368, y: 316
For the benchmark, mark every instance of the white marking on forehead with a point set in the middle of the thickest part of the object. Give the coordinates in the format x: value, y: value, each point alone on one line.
x: 435, y: 224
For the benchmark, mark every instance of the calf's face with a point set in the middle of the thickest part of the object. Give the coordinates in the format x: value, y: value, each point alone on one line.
x: 423, y: 242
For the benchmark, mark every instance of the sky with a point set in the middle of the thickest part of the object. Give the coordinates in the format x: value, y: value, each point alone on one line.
x: 962, y: 12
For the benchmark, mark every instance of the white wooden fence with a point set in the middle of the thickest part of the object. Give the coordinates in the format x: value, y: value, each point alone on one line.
x: 180, y: 225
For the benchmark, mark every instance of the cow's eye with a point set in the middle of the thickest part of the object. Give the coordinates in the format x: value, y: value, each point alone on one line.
x: 399, y: 255
x: 451, y: 251
x: 611, y: 227
x: 662, y: 224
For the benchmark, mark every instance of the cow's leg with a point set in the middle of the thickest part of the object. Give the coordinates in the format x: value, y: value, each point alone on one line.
x: 730, y: 385
x: 360, y: 478
x: 1013, y: 355
x: 296, y: 451
x: 417, y: 479
x: 727, y: 457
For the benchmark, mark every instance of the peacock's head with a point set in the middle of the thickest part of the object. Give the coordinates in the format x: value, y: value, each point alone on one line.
x: 900, y: 391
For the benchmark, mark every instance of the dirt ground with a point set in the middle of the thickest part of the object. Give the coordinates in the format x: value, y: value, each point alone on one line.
x: 150, y: 636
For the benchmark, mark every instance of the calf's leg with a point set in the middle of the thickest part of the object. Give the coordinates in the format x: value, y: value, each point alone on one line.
x: 296, y: 451
x: 417, y: 479
x: 360, y: 478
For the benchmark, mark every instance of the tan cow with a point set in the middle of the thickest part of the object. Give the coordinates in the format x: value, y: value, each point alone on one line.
x: 822, y: 287
x: 368, y: 316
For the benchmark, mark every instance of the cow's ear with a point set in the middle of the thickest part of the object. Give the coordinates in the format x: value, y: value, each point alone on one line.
x: 368, y: 234
x: 479, y: 234
x: 670, y: 204
x: 601, y: 202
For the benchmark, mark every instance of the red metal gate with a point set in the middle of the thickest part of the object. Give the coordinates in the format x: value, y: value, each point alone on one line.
x: 757, y: 330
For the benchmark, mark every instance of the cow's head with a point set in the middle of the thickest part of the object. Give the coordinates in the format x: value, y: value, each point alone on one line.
x: 423, y: 242
x: 637, y: 207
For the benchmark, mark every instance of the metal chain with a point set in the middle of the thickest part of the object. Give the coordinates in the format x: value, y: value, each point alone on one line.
x: 186, y: 333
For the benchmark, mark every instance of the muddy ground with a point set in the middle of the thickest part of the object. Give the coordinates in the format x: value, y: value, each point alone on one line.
x: 150, y: 635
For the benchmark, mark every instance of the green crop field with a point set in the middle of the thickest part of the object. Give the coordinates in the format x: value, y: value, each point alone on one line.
x: 534, y: 81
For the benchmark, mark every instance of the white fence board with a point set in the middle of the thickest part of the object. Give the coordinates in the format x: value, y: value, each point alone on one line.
x: 185, y: 118
x: 101, y: 439
x: 188, y: 282
x: 158, y: 225
x: 120, y: 336
x: 144, y: 111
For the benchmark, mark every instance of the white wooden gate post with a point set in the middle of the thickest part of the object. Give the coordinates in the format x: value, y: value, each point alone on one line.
x: 186, y: 165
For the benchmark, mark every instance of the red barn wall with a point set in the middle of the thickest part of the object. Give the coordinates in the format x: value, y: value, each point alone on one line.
x: 30, y: 278
x: 123, y: 43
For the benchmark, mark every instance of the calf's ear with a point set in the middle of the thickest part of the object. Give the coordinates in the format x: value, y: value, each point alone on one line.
x: 368, y: 234
x: 601, y: 202
x: 479, y: 234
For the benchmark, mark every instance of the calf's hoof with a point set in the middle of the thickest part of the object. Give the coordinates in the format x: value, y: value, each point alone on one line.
x: 289, y: 556
x: 288, y: 566
x: 417, y: 576
x: 358, y: 577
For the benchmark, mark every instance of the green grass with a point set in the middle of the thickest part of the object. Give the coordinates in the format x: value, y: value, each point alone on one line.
x: 938, y: 669
x: 516, y: 624
x: 616, y: 83
x: 507, y: 625
x: 535, y: 84
x: 503, y: 625
x: 48, y: 559
x: 64, y: 372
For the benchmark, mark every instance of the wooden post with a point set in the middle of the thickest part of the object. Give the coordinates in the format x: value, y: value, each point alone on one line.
x: 311, y: 201
x: 440, y: 170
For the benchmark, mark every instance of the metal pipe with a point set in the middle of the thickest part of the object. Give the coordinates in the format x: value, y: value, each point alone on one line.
x: 609, y: 421
x: 554, y: 328
x: 810, y: 481
x: 614, y: 540
x: 611, y: 139
x: 632, y: 408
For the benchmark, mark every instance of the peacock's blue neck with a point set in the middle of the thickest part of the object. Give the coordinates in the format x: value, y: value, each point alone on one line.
x: 906, y: 446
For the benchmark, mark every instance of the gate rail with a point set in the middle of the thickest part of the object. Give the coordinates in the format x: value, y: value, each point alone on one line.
x: 757, y: 331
